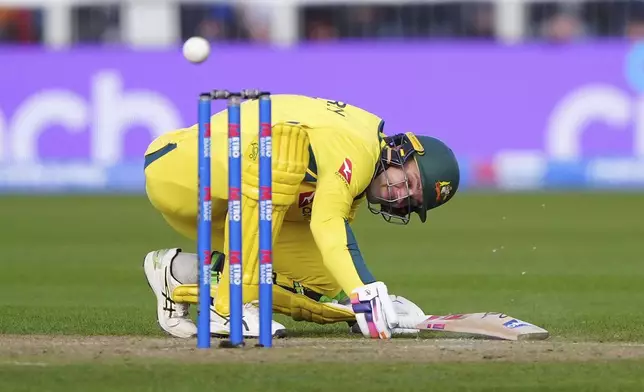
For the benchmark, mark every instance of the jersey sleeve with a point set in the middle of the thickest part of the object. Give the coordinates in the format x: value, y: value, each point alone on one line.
x: 344, y: 170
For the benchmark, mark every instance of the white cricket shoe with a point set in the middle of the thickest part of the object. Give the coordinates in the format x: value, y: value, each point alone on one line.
x: 220, y: 327
x: 172, y: 317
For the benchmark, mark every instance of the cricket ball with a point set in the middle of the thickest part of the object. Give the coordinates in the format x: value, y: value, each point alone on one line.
x: 196, y: 50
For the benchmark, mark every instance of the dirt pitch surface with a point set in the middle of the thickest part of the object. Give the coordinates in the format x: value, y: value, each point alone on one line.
x: 56, y: 350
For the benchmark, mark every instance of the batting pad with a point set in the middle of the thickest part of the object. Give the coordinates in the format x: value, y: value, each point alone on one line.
x: 298, y: 306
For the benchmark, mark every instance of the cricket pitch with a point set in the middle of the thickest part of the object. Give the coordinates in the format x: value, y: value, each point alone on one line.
x: 44, y: 350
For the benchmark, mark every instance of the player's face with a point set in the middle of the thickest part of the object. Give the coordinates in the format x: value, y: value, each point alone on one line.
x: 401, y: 185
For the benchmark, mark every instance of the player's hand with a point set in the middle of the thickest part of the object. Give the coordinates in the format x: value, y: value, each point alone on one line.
x: 374, y: 311
x: 405, y: 309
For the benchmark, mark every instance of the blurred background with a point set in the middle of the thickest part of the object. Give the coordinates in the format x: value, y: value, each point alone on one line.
x: 530, y: 94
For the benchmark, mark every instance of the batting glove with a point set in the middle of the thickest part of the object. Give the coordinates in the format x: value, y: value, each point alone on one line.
x: 374, y: 311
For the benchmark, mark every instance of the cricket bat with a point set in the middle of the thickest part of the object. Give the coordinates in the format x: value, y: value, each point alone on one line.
x: 488, y: 324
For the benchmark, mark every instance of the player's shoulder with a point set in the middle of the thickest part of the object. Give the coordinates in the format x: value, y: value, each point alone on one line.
x: 349, y: 161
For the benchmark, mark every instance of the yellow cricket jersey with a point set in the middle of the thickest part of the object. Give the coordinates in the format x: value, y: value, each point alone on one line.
x: 344, y: 150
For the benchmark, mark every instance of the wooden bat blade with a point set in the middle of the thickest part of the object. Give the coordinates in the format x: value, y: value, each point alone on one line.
x: 489, y: 324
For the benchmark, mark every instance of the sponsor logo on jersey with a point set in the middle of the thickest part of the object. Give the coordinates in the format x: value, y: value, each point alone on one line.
x: 306, y: 198
x: 305, y: 202
x: 346, y: 171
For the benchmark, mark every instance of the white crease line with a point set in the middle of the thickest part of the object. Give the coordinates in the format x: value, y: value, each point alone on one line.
x: 16, y: 363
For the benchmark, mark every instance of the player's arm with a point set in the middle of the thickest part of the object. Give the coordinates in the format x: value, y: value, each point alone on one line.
x: 334, y: 236
x: 335, y: 192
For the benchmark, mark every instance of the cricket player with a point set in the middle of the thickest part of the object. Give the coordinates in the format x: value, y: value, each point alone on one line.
x: 328, y: 158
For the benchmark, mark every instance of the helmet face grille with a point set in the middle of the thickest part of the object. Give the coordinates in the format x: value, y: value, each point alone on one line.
x: 397, y: 151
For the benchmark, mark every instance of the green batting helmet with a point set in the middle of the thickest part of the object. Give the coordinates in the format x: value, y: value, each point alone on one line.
x: 439, y: 173
x: 438, y: 169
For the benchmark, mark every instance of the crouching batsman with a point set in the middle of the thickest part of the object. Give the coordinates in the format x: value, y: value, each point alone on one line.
x: 328, y: 158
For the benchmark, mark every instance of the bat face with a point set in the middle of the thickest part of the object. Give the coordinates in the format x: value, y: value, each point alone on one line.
x: 490, y: 324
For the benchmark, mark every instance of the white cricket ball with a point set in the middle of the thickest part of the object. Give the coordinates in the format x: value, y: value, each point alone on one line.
x: 196, y: 50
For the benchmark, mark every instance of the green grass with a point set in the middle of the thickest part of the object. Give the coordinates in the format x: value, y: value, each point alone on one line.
x: 508, y: 377
x: 571, y: 263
